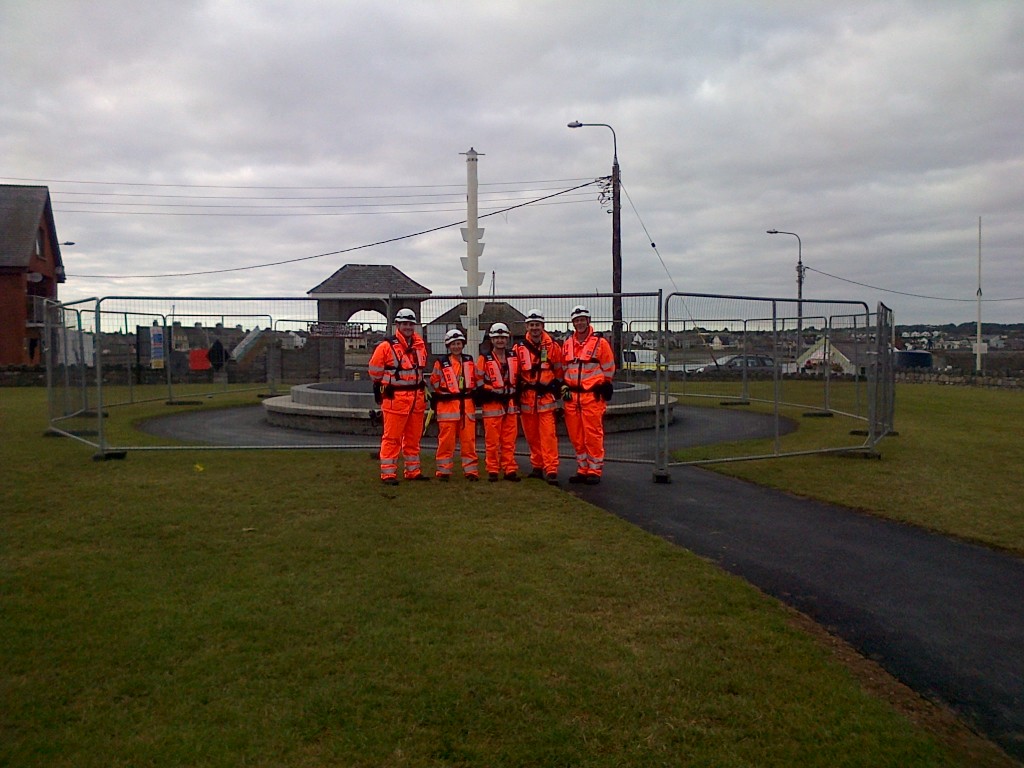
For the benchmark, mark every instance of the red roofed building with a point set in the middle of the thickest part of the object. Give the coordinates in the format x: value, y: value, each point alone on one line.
x: 30, y: 271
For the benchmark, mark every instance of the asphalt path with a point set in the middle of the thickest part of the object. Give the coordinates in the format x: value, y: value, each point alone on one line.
x: 944, y: 616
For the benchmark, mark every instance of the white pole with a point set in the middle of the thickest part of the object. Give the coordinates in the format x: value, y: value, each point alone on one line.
x: 471, y: 261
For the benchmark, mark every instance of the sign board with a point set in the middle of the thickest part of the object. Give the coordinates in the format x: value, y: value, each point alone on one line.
x: 156, y: 347
x: 980, y: 349
x: 329, y: 329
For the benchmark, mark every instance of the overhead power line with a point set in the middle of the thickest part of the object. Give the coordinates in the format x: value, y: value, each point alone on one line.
x: 269, y: 187
x: 905, y: 293
x: 338, y: 252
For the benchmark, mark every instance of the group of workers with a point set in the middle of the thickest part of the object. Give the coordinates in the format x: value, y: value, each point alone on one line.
x: 510, y: 383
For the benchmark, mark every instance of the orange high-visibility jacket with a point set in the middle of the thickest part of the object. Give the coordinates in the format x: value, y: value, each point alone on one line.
x: 498, y: 384
x: 540, y: 372
x: 588, y: 361
x: 454, y: 380
x: 398, y: 364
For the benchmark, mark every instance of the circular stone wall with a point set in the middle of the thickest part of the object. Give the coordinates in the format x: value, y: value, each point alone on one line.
x: 348, y: 407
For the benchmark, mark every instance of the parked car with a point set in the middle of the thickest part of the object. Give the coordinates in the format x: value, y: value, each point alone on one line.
x: 642, y: 360
x: 737, y: 363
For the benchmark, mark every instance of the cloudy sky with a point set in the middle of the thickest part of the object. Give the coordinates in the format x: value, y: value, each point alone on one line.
x: 182, y: 137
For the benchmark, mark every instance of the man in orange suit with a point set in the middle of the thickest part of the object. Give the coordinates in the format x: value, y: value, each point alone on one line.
x: 397, y: 369
x: 540, y: 375
x: 589, y: 370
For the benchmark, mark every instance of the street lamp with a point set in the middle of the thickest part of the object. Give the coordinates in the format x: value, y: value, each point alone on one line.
x: 616, y: 243
x: 799, y: 288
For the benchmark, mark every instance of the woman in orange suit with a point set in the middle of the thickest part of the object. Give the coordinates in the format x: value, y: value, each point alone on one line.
x: 454, y: 380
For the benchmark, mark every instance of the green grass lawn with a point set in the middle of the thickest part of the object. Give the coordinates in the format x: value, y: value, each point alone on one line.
x: 951, y: 467
x: 285, y: 609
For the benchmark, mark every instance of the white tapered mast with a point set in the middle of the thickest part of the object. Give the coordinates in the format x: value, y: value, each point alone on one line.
x: 471, y: 261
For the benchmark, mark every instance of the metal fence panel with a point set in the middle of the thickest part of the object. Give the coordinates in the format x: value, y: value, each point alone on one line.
x: 172, y: 355
x: 804, y: 374
x: 704, y: 377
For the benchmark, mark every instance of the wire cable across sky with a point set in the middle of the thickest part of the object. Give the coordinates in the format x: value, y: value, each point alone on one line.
x: 343, y: 250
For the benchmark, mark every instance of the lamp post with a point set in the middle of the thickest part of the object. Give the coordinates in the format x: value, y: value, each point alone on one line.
x: 799, y: 289
x: 616, y: 243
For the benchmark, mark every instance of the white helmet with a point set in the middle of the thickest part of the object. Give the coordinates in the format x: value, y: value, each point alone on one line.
x: 535, y: 316
x: 499, y: 329
x: 405, y: 315
x: 579, y: 311
x: 454, y: 335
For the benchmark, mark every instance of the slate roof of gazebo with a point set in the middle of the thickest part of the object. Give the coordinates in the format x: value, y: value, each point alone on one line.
x: 368, y: 280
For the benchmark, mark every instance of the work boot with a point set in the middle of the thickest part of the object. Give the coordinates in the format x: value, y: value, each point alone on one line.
x: 421, y: 478
x: 492, y: 477
x: 443, y: 478
x: 512, y: 477
x: 389, y: 480
x: 473, y: 478
x: 593, y: 480
x: 578, y: 479
x: 552, y: 479
x: 536, y: 474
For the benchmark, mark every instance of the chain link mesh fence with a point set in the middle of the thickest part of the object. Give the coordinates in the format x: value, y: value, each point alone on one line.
x: 702, y: 377
x: 810, y: 376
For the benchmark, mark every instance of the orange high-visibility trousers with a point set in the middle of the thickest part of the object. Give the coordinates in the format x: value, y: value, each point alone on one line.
x: 500, y: 433
x: 462, y: 430
x: 539, y: 430
x: 584, y: 421
x: 403, y: 427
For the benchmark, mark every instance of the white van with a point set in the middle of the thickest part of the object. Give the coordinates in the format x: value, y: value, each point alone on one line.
x: 642, y: 360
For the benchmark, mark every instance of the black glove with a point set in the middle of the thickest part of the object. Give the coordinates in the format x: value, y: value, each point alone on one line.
x: 479, y: 397
x: 378, y: 392
x: 606, y: 391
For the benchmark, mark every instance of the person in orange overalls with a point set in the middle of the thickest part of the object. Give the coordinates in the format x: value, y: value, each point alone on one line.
x: 397, y: 369
x: 540, y: 374
x: 589, y: 369
x: 454, y: 380
x: 499, y: 373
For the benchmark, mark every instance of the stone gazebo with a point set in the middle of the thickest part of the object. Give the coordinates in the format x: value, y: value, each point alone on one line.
x: 357, y: 288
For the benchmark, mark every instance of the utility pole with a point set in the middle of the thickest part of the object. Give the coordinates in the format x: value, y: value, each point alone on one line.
x: 979, y: 349
x: 616, y: 242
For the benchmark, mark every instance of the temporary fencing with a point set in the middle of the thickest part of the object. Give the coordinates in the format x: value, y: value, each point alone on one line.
x: 822, y: 366
x: 688, y: 364
x: 180, y: 355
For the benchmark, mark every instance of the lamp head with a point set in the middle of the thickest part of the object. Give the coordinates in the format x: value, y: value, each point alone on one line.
x: 773, y: 231
x: 575, y: 124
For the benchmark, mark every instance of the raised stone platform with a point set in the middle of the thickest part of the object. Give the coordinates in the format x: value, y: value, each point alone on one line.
x: 348, y: 406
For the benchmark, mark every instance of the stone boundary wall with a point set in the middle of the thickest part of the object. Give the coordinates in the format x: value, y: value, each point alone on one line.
x: 959, y: 380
